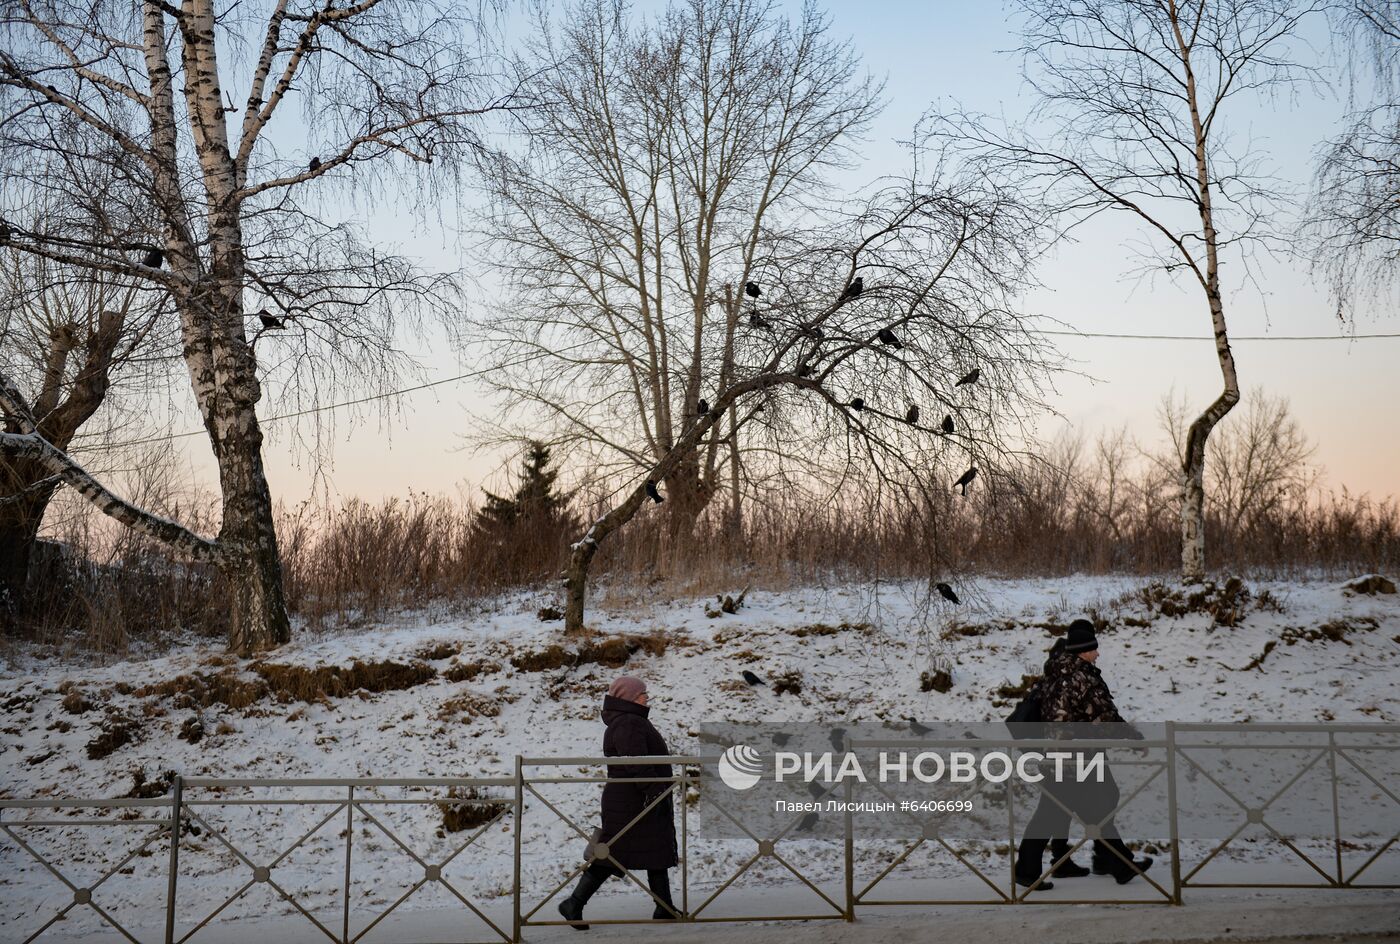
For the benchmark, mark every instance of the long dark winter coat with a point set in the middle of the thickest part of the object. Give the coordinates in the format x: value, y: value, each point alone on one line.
x: 650, y: 843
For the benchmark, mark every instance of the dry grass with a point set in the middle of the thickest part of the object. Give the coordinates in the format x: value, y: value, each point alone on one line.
x: 287, y: 683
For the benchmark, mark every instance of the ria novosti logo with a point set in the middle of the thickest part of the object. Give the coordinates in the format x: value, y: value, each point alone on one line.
x: 740, y: 767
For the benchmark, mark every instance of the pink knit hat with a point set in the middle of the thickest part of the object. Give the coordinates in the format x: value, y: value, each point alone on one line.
x: 627, y: 687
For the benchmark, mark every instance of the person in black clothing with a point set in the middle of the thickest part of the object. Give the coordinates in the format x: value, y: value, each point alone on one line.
x: 1073, y: 691
x: 650, y: 842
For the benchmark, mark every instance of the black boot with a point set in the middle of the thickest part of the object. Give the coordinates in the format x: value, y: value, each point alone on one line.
x: 1028, y: 858
x: 572, y: 907
x: 1123, y: 869
x: 660, y: 884
x: 1068, y: 868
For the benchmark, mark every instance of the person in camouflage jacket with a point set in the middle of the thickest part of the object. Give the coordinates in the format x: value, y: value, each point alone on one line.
x: 1072, y: 693
x: 1073, y: 689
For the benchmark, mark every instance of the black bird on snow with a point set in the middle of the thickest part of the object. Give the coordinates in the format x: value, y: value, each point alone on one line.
x: 756, y: 320
x: 807, y: 822
x: 855, y: 288
x: 919, y: 729
x: 946, y: 592
x: 857, y: 404
x: 888, y: 337
x: 965, y: 478
x: 912, y: 416
x: 271, y: 321
x: 652, y: 493
x: 948, y: 424
x: 702, y: 407
x: 838, y: 738
x: 970, y: 377
x: 781, y: 738
x: 751, y: 678
x: 153, y: 259
x: 315, y: 164
x: 752, y: 290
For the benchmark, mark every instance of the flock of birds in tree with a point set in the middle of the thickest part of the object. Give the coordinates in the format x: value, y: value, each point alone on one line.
x: 886, y: 337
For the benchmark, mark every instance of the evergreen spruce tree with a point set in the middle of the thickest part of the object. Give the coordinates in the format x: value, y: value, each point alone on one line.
x: 526, y: 529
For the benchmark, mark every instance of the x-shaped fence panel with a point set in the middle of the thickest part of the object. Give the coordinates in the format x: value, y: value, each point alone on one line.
x: 933, y: 830
x: 1337, y: 762
x: 684, y: 787
x: 348, y: 805
x: 150, y: 819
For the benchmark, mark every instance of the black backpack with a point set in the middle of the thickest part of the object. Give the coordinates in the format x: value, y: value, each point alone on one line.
x: 1026, y: 719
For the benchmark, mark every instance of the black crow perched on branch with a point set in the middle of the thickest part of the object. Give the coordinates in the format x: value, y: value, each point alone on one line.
x: 652, y: 493
x: 965, y: 479
x: 154, y: 259
x: 970, y: 377
x: 752, y: 290
x: 948, y: 424
x: 315, y: 164
x: 702, y: 407
x: 888, y: 337
x: 271, y: 321
x: 855, y: 288
x: 857, y: 404
x: 912, y: 416
x: 946, y: 592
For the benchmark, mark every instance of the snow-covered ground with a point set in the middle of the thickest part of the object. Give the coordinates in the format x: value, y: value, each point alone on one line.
x: 858, y: 653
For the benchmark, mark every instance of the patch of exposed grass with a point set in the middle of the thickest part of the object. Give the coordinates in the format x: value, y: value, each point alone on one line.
x: 115, y: 731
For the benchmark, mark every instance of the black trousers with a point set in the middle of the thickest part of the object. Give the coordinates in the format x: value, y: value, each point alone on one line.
x: 658, y: 880
x: 1091, y: 801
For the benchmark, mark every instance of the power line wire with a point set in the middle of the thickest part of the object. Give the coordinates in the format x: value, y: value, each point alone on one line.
x: 1233, y: 338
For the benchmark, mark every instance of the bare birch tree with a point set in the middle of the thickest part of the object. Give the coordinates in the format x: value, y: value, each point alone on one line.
x: 231, y: 227
x: 1354, y: 217
x: 1133, y: 116
x: 690, y: 290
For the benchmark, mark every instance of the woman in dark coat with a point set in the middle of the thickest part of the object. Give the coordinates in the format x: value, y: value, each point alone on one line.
x: 1073, y: 693
x: 650, y: 842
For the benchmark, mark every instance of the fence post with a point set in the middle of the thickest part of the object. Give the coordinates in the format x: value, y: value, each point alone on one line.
x: 1336, y: 805
x: 176, y: 799
x: 519, y: 831
x: 1175, y: 835
x: 349, y: 840
x: 849, y: 844
x: 1011, y: 846
x: 685, y: 841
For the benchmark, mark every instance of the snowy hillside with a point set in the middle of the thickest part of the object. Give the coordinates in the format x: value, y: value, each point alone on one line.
x: 457, y: 698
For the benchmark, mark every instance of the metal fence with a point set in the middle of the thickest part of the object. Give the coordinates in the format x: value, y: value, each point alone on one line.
x: 336, y: 808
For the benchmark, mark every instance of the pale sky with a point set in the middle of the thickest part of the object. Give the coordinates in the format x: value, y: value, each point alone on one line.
x: 1344, y: 392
